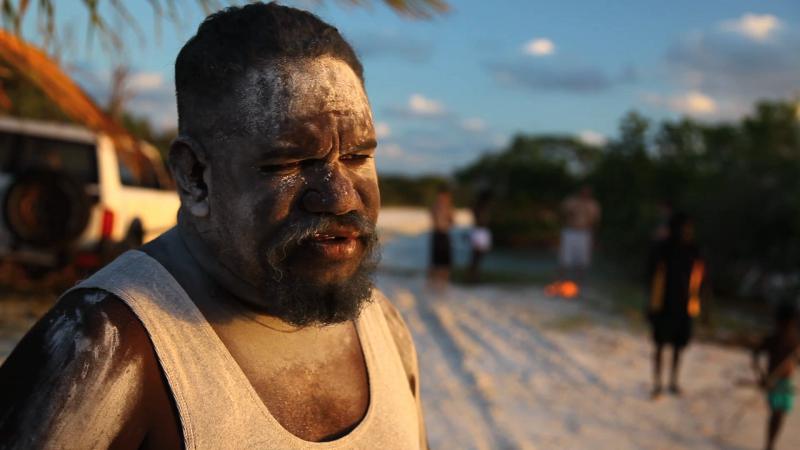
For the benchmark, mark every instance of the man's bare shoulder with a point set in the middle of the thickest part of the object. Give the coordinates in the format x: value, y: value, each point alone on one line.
x: 78, y: 374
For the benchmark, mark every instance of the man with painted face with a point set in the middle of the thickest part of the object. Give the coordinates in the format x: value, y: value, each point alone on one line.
x: 253, y: 323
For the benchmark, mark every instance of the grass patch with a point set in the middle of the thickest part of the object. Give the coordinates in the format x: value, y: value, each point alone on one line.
x: 623, y: 298
x: 724, y: 321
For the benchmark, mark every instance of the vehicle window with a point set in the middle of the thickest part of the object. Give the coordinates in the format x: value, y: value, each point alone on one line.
x: 136, y: 170
x: 126, y: 175
x: 25, y: 153
x: 149, y: 175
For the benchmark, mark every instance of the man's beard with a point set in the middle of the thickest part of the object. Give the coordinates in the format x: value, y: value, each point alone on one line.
x: 299, y: 300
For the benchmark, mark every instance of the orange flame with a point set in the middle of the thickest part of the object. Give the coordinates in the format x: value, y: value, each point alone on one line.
x: 565, y: 289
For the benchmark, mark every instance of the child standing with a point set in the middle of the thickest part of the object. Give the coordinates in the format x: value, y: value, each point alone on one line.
x: 781, y: 348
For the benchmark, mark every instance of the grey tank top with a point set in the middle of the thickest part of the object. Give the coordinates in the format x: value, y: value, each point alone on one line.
x: 218, y: 407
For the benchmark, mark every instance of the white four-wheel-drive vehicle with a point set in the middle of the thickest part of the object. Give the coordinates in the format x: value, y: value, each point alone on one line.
x: 73, y: 196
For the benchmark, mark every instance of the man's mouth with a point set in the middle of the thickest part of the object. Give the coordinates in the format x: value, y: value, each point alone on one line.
x: 336, y: 243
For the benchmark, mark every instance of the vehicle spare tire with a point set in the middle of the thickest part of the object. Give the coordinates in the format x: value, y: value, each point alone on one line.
x: 46, y: 209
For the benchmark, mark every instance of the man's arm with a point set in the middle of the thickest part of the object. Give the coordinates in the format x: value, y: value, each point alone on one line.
x: 408, y: 354
x: 77, y: 379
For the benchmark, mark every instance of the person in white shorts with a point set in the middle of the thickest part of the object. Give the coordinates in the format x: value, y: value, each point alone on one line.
x: 581, y: 214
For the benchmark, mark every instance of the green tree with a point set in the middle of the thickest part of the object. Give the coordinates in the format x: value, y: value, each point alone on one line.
x: 528, y: 181
x: 738, y: 180
x: 402, y: 190
x: 747, y: 204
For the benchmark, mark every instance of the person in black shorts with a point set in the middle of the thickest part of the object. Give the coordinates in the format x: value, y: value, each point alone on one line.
x: 442, y: 257
x: 441, y: 253
x: 675, y: 274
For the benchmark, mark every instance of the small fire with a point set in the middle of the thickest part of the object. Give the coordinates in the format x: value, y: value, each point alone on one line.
x: 565, y: 289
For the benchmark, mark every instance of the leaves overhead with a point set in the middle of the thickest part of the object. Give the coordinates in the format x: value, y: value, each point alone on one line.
x: 420, y: 9
x: 101, y: 14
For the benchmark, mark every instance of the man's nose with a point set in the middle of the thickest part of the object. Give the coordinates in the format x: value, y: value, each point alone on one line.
x: 332, y: 193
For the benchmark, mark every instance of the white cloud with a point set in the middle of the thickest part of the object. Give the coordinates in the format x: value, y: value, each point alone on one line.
x: 391, y: 43
x: 693, y: 103
x: 419, y: 106
x: 473, y: 124
x: 734, y: 69
x: 145, y: 81
x: 500, y: 140
x: 392, y: 151
x: 591, y: 137
x: 382, y: 130
x: 153, y: 98
x: 758, y: 27
x: 422, y: 106
x: 159, y: 110
x: 529, y: 74
x: 539, y: 47
x: 151, y: 95
x: 395, y: 152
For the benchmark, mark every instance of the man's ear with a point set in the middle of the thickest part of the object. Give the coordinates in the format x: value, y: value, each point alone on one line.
x: 189, y: 165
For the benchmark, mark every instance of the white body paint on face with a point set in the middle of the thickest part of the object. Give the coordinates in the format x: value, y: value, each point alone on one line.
x: 283, y: 113
x: 298, y: 88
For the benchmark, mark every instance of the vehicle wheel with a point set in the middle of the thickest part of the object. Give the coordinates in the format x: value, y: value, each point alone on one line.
x: 46, y: 209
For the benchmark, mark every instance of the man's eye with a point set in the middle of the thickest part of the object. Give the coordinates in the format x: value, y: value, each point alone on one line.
x: 276, y: 168
x: 355, y: 157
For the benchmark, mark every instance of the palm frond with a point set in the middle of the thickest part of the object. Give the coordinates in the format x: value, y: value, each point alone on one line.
x: 12, y: 13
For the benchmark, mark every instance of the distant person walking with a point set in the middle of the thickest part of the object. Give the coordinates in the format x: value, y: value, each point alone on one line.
x: 441, y: 252
x: 480, y: 238
x: 675, y: 274
x: 580, y: 215
x: 783, y: 350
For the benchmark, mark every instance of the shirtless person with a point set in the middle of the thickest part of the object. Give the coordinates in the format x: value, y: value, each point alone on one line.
x: 581, y: 214
x: 783, y: 351
x: 441, y: 247
x: 253, y: 323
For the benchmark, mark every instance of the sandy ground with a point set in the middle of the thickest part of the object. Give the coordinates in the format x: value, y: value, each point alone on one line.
x: 514, y: 369
x: 507, y: 368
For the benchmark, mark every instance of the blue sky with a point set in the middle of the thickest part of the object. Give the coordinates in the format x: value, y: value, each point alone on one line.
x: 447, y: 89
